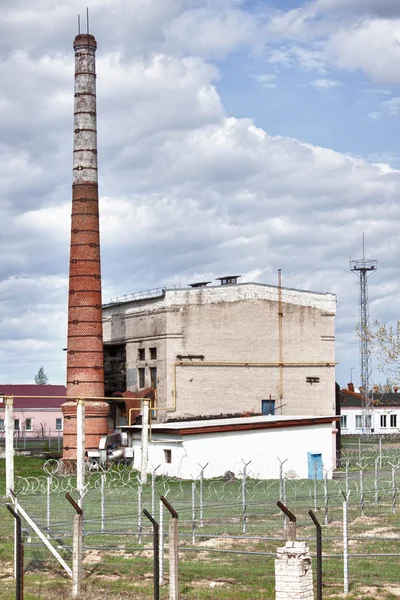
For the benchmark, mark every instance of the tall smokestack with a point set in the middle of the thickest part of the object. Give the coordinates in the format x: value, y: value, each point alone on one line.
x: 85, y: 370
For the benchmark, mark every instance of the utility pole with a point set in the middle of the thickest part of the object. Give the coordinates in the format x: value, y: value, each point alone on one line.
x: 363, y: 268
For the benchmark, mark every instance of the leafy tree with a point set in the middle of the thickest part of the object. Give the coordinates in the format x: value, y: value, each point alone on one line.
x: 41, y: 377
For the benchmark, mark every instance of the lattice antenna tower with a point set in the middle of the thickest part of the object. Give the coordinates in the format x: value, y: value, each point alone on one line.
x: 364, y: 268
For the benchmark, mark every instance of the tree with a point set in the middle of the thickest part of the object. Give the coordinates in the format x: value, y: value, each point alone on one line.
x: 385, y: 341
x: 41, y: 377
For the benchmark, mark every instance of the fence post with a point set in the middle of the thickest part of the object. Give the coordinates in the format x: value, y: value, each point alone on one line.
x: 156, y: 558
x: 9, y: 427
x: 77, y: 544
x: 58, y: 440
x: 315, y: 485
x: 347, y: 476
x: 326, y: 499
x: 193, y: 512
x: 376, y: 479
x: 319, y: 554
x: 48, y: 507
x: 393, y: 490
x: 284, y: 501
x: 244, y: 495
x: 380, y: 452
x: 49, y: 439
x: 173, y: 551
x: 24, y: 434
x: 201, y: 492
x: 145, y: 440
x: 291, y: 531
x: 19, y: 547
x: 153, y: 490
x: 362, y: 491
x: 345, y: 546
x: 281, y: 463
x: 80, y: 449
x: 102, y: 501
x: 161, y: 544
x: 140, y: 503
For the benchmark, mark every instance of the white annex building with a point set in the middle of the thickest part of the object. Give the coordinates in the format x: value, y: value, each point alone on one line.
x: 224, y: 349
x: 385, y: 412
x: 305, y: 445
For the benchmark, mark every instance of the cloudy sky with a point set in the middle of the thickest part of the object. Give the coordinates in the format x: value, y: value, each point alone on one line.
x: 234, y: 136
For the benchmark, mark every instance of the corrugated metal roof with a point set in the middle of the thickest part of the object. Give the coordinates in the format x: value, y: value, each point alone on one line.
x: 49, y: 396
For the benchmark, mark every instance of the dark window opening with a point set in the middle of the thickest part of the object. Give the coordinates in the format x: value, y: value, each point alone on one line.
x: 141, y: 375
x: 153, y: 353
x: 312, y: 379
x: 141, y: 354
x: 114, y: 368
x: 268, y: 407
x: 153, y: 377
x: 168, y: 456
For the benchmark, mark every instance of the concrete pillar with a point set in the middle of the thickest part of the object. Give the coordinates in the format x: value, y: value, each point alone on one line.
x: 293, y: 572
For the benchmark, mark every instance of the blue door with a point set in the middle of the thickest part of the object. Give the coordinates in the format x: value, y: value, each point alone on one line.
x: 268, y: 407
x: 314, y: 465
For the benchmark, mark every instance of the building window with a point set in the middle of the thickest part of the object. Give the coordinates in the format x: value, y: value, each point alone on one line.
x: 16, y: 424
x: 268, y: 407
x: 383, y: 421
x: 359, y: 422
x: 168, y: 456
x: 28, y: 424
x: 393, y: 420
x: 1, y: 424
x: 141, y: 378
x: 59, y: 424
x: 343, y: 421
x: 141, y: 353
x: 153, y: 377
x: 153, y: 353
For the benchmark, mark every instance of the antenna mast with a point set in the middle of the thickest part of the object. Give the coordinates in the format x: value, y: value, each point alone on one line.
x: 363, y: 268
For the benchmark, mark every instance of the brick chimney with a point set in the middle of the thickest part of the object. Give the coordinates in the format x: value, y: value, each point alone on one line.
x: 350, y: 387
x: 85, y: 369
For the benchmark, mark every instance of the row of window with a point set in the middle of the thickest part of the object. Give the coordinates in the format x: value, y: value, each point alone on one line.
x: 384, y: 421
x: 142, y: 353
x: 142, y: 377
x: 28, y: 425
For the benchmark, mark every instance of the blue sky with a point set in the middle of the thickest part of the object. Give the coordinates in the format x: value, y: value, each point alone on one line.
x: 233, y: 136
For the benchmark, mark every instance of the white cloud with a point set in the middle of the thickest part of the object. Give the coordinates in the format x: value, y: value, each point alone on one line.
x: 265, y: 80
x: 323, y: 83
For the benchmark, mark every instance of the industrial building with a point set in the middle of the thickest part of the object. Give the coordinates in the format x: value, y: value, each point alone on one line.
x: 384, y: 412
x: 227, y: 349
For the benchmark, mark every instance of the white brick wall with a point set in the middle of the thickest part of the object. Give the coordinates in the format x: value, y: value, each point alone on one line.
x: 236, y: 323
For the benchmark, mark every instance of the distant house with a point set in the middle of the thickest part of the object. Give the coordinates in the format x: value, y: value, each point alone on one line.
x: 37, y: 409
x: 385, y: 413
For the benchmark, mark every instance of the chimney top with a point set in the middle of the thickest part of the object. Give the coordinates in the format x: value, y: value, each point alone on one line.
x: 350, y: 387
x: 228, y: 279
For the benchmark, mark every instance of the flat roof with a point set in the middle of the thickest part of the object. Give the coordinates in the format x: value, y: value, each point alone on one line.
x: 234, y: 424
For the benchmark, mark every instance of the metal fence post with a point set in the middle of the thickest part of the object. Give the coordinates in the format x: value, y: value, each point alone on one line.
x: 19, y: 584
x: 153, y: 490
x: 244, y: 496
x: 380, y: 452
x: 102, y: 501
x: 193, y: 512
x: 201, y: 492
x: 140, y: 503
x: 393, y: 490
x: 281, y: 463
x: 161, y: 543
x: 326, y: 499
x: 77, y: 544
x: 376, y: 479
x: 345, y: 546
x: 48, y: 507
x: 291, y: 530
x: 9, y: 427
x: 319, y: 554
x: 156, y: 558
x: 315, y: 485
x: 362, y: 492
x: 173, y: 551
x: 347, y: 476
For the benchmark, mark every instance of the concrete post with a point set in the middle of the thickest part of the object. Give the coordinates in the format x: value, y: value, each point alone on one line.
x: 173, y: 559
x: 9, y: 427
x: 145, y: 440
x: 80, y: 450
x: 293, y: 572
x: 77, y: 556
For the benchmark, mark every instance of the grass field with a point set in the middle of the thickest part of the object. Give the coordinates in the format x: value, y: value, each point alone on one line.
x: 216, y: 560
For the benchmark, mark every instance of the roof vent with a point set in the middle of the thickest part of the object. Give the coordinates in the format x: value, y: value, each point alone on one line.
x: 199, y: 284
x: 228, y: 279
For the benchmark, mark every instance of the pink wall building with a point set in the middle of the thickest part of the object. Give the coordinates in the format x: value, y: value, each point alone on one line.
x: 37, y: 409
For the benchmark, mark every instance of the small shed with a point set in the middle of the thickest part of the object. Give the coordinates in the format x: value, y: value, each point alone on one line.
x: 306, y: 444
